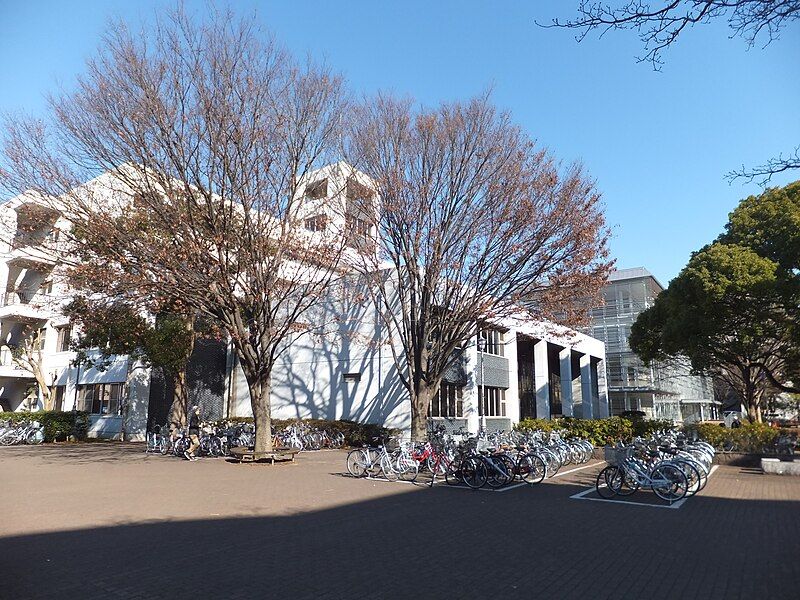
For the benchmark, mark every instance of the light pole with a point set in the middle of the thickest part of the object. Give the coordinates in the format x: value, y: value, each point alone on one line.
x: 482, y: 386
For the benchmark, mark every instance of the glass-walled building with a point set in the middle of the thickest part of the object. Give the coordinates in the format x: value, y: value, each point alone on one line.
x: 660, y: 391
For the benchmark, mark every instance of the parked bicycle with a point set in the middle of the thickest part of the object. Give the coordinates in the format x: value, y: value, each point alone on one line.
x: 22, y: 432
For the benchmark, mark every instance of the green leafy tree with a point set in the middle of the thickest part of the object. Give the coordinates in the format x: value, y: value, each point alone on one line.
x: 733, y: 309
x: 769, y: 224
x: 117, y: 328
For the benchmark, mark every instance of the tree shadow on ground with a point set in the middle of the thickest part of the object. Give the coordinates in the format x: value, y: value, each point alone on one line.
x: 428, y: 543
x: 79, y: 453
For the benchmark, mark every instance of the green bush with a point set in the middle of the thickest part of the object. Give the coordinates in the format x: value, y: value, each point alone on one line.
x: 598, y: 431
x: 57, y: 425
x: 355, y: 434
x: 647, y: 427
x: 750, y: 437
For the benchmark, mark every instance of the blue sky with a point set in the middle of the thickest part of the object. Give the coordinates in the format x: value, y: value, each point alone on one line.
x: 658, y: 144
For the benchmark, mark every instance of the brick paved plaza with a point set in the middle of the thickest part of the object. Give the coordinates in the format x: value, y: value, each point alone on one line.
x: 107, y: 521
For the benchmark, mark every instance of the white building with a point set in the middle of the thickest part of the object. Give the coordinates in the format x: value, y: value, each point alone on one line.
x: 527, y: 369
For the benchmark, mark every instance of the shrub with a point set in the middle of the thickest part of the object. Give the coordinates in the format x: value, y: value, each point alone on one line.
x: 598, y: 431
x: 750, y: 437
x: 645, y: 427
x: 56, y: 424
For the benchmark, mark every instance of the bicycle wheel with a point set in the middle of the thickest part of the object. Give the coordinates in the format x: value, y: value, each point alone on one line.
x: 437, y: 464
x: 453, y: 474
x: 373, y: 456
x: 496, y: 475
x: 551, y: 460
x: 531, y: 468
x: 692, y: 475
x: 357, y: 463
x: 388, y: 469
x: 510, y: 467
x: 609, y: 481
x: 34, y: 437
x: 407, y: 467
x: 473, y: 472
x: 669, y: 483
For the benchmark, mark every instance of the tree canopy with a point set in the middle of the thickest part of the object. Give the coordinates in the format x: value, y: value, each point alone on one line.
x: 733, y: 310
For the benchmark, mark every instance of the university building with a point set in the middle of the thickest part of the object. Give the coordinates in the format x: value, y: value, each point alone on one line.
x: 660, y: 391
x: 514, y: 369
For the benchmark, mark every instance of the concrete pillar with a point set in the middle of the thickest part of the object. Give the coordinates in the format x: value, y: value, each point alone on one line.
x: 512, y: 393
x: 470, y: 397
x: 586, y: 386
x: 602, y: 390
x: 565, y: 362
x: 541, y: 378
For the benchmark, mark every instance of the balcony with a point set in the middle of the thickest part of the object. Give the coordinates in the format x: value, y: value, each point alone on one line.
x: 26, y: 307
x: 10, y: 370
x: 33, y: 259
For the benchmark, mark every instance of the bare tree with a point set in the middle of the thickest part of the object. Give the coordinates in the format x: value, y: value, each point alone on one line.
x: 474, y: 221
x: 211, y: 135
x: 27, y: 355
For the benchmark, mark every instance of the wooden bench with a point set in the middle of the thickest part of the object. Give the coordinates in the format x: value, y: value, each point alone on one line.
x: 243, y: 455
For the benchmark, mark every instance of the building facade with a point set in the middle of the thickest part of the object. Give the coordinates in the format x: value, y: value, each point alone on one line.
x: 514, y: 369
x: 35, y: 335
x: 661, y: 391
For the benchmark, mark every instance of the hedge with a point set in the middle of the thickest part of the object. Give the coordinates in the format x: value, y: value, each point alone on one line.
x: 750, y: 437
x: 598, y: 431
x: 57, y: 424
x: 355, y: 434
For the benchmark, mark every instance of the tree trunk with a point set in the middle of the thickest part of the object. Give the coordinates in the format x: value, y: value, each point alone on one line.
x: 262, y: 413
x: 36, y: 368
x: 419, y: 411
x: 180, y: 398
x: 179, y: 411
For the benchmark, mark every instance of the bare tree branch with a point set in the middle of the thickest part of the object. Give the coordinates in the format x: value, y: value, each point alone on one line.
x: 763, y: 173
x: 659, y: 24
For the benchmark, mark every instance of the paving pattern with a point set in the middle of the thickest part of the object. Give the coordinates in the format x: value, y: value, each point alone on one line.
x: 106, y: 521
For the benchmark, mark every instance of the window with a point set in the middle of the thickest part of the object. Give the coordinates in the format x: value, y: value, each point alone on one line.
x: 316, y: 223
x: 353, y: 377
x: 317, y: 189
x: 491, y: 401
x: 359, y: 193
x: 493, y: 339
x: 57, y: 393
x: 448, y: 402
x: 100, y: 398
x: 357, y: 232
x: 64, y: 336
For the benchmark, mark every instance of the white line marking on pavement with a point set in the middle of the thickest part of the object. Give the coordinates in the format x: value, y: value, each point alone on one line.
x: 562, y: 473
x: 674, y: 505
x: 508, y: 487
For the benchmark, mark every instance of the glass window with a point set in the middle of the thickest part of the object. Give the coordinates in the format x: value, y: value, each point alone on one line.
x: 493, y: 340
x: 317, y: 189
x: 448, y: 402
x: 100, y: 398
x: 491, y: 401
x: 64, y: 336
x: 357, y: 232
x: 316, y: 223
